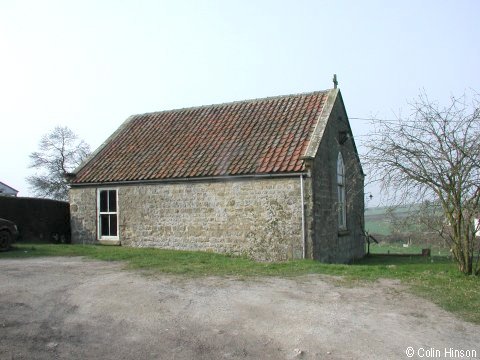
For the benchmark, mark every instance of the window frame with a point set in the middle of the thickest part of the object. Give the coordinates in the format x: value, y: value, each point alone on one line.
x: 341, y: 193
x: 101, y: 237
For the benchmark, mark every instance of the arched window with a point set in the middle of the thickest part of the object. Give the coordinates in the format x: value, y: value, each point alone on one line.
x: 342, y: 206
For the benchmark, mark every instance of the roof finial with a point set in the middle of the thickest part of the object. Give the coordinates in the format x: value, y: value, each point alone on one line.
x: 335, y: 82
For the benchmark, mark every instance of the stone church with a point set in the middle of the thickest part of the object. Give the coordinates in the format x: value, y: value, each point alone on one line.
x: 273, y: 179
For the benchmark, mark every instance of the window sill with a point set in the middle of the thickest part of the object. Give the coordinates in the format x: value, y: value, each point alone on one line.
x: 343, y: 232
x: 109, y: 242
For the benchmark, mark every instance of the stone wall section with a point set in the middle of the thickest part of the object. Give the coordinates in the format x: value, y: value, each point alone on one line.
x: 329, y: 243
x: 83, y: 215
x: 259, y: 218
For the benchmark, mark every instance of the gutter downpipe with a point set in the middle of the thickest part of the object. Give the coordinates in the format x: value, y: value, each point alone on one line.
x: 303, y: 217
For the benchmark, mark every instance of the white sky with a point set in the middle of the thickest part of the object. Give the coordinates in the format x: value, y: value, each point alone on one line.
x: 89, y: 65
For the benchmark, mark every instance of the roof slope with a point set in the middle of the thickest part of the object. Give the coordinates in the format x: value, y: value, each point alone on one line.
x: 260, y: 136
x: 7, y: 187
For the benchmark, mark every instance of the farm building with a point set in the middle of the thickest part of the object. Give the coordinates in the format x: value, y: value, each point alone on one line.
x: 275, y: 178
x: 6, y: 190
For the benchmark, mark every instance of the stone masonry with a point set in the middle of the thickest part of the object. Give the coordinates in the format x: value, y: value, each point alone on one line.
x: 260, y: 217
x: 329, y: 243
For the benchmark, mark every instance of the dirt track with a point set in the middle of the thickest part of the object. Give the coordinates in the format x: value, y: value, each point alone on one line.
x: 71, y: 308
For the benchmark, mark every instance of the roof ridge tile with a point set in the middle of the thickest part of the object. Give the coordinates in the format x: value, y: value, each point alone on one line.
x: 247, y: 101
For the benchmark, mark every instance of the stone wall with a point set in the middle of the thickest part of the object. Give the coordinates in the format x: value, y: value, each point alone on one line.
x: 260, y: 218
x: 83, y: 215
x: 330, y: 244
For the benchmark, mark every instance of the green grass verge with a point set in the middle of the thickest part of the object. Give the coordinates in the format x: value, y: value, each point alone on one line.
x: 435, y: 278
x: 412, y: 249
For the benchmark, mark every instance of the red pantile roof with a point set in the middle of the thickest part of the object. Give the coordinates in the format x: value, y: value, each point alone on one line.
x: 260, y: 136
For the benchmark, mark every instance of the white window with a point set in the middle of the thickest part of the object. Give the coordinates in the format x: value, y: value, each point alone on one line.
x: 107, y: 205
x: 342, y: 206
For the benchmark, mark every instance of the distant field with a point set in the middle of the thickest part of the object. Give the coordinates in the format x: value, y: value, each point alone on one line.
x: 377, y: 224
x: 376, y: 221
x: 382, y: 211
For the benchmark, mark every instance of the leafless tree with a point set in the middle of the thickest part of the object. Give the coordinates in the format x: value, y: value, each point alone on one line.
x: 59, y: 153
x: 435, y: 155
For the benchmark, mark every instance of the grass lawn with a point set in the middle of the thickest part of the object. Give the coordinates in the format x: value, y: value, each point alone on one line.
x: 435, y: 278
x: 382, y: 248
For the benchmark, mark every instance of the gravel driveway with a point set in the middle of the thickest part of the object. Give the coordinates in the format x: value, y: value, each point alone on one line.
x: 72, y: 308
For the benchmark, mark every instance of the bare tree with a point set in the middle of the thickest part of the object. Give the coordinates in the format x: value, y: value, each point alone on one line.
x: 435, y: 155
x: 60, y: 152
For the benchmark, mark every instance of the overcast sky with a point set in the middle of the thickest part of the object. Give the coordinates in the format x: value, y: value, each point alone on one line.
x: 89, y: 65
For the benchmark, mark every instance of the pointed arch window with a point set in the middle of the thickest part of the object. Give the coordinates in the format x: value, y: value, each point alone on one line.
x: 341, y: 201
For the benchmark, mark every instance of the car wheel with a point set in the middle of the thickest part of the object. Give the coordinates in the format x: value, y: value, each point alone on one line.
x: 5, y: 240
